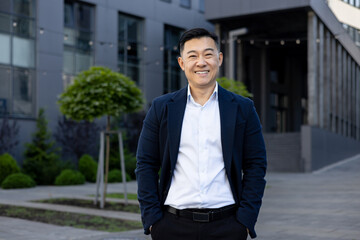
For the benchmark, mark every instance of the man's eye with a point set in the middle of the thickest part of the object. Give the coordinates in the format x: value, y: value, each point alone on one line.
x: 192, y: 56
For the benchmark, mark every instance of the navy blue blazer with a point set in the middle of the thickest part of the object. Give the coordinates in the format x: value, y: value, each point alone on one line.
x: 242, y: 145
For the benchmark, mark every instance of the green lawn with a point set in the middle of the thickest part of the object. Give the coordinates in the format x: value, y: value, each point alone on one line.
x: 69, y: 219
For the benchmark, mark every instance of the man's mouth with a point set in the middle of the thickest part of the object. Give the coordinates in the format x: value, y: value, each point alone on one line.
x: 201, y: 72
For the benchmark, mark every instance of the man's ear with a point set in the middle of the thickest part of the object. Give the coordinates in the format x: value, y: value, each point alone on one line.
x: 220, y: 58
x: 181, y: 63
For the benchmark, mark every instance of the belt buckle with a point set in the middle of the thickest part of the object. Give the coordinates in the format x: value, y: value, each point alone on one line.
x: 201, y: 217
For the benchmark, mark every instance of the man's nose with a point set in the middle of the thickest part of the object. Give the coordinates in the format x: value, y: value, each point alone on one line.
x: 201, y: 61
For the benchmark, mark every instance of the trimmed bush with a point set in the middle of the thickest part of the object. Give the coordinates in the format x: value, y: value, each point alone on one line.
x: 70, y: 177
x: 88, y: 167
x: 41, y: 156
x: 8, y: 166
x: 18, y: 180
x: 115, y: 175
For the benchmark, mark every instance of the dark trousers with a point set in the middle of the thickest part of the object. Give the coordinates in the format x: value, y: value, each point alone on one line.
x: 172, y: 227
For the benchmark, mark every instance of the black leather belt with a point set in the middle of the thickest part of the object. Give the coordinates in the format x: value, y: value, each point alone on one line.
x: 203, y: 215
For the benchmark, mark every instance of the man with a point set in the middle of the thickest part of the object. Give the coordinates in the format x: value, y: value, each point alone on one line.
x: 209, y: 146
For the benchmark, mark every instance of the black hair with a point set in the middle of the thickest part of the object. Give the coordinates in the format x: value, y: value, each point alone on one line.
x: 196, y: 33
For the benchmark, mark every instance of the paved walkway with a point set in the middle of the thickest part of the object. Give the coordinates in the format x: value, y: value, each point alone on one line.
x: 324, y: 205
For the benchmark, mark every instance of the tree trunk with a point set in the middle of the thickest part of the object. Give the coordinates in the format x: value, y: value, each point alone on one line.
x: 107, y: 158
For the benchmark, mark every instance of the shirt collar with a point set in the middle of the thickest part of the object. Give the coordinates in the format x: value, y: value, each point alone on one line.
x: 214, y: 95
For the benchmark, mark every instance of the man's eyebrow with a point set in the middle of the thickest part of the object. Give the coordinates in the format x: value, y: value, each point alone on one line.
x: 206, y: 49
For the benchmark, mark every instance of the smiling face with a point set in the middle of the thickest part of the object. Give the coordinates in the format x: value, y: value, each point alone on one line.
x: 200, y: 60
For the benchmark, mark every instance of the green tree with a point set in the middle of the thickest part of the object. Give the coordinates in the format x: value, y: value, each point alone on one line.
x: 99, y: 92
x: 41, y: 156
x: 234, y: 86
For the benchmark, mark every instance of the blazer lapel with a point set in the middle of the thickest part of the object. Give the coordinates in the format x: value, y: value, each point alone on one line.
x: 176, y: 112
x: 228, y: 111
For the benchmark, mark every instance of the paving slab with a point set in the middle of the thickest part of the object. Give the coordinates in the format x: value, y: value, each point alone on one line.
x: 323, y: 205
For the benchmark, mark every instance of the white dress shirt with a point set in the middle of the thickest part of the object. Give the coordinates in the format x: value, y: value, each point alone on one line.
x: 199, y: 179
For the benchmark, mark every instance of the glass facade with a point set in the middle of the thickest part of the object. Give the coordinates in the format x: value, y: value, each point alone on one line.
x: 17, y: 58
x: 355, y: 3
x: 202, y: 6
x: 185, y: 3
x: 130, y: 47
x: 172, y: 71
x: 354, y: 34
x: 78, y: 39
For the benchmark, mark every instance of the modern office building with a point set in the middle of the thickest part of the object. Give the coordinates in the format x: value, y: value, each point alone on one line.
x: 301, y: 60
x: 45, y: 43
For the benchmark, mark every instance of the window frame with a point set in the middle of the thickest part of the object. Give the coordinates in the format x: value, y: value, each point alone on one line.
x: 13, y: 68
x: 187, y: 6
x: 73, y: 45
x: 125, y: 62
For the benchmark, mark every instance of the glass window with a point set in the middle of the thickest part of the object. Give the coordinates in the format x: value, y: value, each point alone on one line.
x: 69, y: 15
x: 23, y: 27
x: 172, y: 71
x: 78, y: 38
x: 84, y: 17
x: 23, y: 81
x: 130, y: 46
x: 5, y: 49
x: 5, y: 5
x: 24, y: 7
x: 69, y: 61
x: 70, y: 36
x: 185, y: 3
x: 5, y: 79
x: 23, y: 52
x: 17, y: 57
x: 351, y: 2
x: 357, y: 3
x: 5, y: 23
x: 83, y: 61
x: 202, y: 6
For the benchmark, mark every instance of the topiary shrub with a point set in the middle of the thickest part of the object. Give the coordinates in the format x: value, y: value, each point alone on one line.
x: 8, y: 166
x: 18, y: 180
x: 69, y: 177
x: 88, y: 167
x: 115, y: 175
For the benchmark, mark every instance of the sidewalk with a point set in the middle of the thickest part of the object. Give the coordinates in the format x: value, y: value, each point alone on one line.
x: 324, y: 205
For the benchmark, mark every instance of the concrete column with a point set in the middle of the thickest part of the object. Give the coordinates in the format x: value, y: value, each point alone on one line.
x: 353, y: 105
x: 339, y: 88
x: 358, y: 103
x: 264, y: 87
x: 321, y: 80
x: 333, y: 84
x: 313, y: 118
x: 348, y: 95
x: 343, y: 93
x: 306, y: 147
x: 327, y: 81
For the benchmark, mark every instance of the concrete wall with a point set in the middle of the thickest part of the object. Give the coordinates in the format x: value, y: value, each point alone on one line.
x: 320, y: 148
x: 283, y: 152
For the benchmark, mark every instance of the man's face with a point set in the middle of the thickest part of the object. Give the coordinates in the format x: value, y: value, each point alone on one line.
x: 200, y: 60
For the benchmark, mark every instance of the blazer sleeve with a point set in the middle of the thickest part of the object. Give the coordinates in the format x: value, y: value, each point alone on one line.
x: 254, y: 169
x: 148, y: 165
